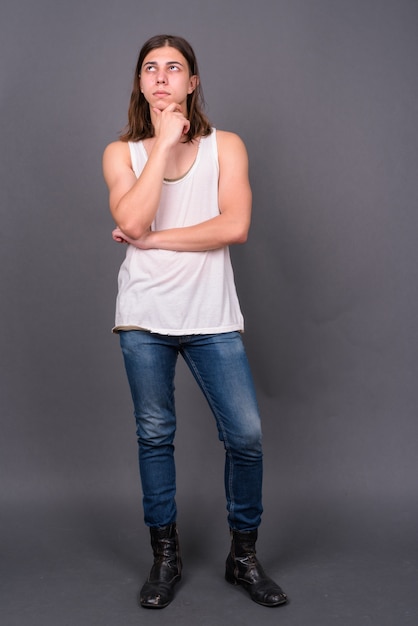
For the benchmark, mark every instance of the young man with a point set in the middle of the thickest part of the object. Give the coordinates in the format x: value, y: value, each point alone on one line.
x: 180, y: 195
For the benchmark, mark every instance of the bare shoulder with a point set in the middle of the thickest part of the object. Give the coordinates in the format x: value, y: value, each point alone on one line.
x: 116, y: 162
x: 228, y: 142
x: 117, y: 150
x: 232, y: 152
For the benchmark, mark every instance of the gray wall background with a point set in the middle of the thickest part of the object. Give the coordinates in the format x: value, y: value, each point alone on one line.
x: 324, y: 94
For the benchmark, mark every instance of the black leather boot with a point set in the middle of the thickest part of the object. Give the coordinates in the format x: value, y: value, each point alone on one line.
x: 158, y: 591
x: 243, y: 568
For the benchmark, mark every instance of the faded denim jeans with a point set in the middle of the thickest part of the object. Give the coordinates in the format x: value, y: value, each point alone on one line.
x: 220, y: 366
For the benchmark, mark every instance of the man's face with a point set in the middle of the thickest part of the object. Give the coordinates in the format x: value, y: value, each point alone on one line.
x: 165, y: 78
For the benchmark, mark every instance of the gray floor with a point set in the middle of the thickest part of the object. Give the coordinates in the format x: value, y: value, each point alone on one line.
x: 80, y: 563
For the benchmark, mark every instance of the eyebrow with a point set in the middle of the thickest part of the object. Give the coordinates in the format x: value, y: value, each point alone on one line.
x: 168, y: 63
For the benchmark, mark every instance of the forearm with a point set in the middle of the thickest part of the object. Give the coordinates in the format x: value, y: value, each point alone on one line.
x: 136, y: 210
x: 134, y: 203
x: 212, y: 234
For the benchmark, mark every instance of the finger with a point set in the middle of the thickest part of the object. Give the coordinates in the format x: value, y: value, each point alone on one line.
x: 173, y: 106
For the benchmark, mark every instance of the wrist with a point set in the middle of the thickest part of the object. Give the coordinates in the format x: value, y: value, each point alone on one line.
x: 148, y: 241
x: 152, y: 240
x: 163, y: 145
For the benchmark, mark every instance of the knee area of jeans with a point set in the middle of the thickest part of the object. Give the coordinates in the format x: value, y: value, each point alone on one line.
x: 247, y: 446
x: 155, y: 431
x: 154, y: 441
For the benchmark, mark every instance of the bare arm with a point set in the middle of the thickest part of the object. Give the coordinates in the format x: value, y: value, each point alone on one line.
x: 134, y: 201
x: 233, y: 223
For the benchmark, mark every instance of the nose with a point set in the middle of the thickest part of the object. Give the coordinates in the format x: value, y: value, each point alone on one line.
x: 161, y: 77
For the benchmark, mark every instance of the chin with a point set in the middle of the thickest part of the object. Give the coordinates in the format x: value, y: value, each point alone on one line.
x: 163, y: 103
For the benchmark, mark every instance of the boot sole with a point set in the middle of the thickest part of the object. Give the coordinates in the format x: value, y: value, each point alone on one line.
x: 236, y: 582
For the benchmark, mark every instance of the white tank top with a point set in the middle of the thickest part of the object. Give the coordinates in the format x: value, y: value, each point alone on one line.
x: 180, y: 293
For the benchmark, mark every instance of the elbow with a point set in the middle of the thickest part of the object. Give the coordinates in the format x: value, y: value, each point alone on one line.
x: 235, y: 228
x: 242, y: 237
x: 133, y: 231
x: 239, y: 235
x: 129, y: 219
x: 132, y: 228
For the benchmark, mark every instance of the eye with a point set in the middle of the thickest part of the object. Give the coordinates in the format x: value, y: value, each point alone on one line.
x: 173, y: 67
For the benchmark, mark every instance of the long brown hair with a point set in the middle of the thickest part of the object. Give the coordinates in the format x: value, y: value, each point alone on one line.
x: 139, y: 119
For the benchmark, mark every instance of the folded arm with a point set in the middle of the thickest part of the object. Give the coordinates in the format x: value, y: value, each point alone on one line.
x: 231, y: 226
x: 134, y: 201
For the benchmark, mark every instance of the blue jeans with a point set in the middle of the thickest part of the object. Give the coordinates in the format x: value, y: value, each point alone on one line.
x: 219, y: 364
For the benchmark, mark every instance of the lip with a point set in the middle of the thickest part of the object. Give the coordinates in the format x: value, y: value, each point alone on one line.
x: 160, y: 93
